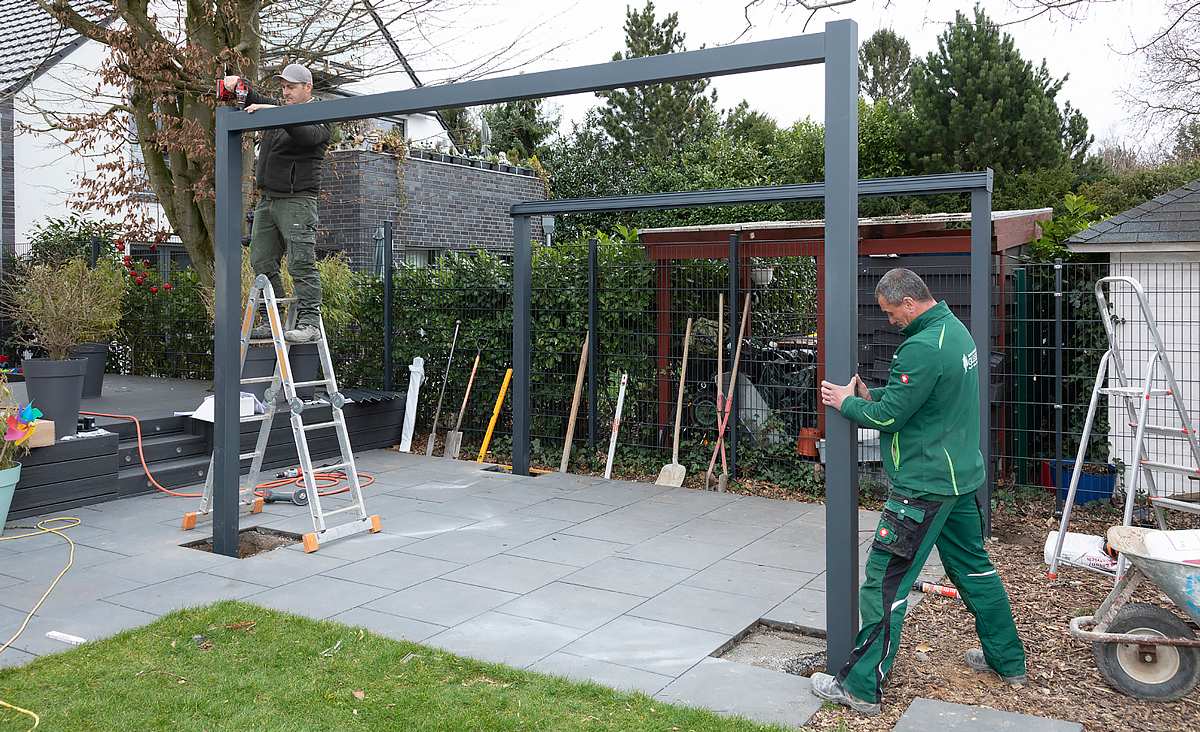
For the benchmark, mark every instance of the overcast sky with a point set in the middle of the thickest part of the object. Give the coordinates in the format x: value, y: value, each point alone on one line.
x: 1090, y: 52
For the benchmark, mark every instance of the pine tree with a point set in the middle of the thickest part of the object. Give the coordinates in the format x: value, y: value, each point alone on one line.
x: 656, y: 120
x: 519, y: 127
x: 884, y: 67
x: 978, y: 104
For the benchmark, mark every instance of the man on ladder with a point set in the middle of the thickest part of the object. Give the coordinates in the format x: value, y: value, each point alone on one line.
x: 928, y: 419
x: 288, y: 176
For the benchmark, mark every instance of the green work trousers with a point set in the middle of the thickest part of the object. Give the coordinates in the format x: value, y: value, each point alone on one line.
x: 289, y: 226
x: 911, y: 525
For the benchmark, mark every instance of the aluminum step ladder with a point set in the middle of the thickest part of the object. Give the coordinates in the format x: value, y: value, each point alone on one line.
x: 283, y: 384
x: 1137, y: 399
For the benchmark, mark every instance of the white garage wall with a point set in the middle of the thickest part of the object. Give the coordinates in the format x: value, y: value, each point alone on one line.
x: 1172, y: 284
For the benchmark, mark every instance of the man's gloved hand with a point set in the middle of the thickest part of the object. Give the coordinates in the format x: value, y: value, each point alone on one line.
x: 231, y: 81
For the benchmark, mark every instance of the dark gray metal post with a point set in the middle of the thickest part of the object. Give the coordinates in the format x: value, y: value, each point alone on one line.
x: 94, y: 252
x: 981, y: 331
x: 388, y: 270
x: 227, y: 252
x: 522, y: 354
x: 735, y: 309
x: 593, y: 359
x: 1058, y: 383
x: 841, y: 335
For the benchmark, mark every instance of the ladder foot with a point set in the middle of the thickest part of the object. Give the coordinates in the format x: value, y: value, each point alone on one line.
x: 310, y: 542
x: 189, y: 520
x: 376, y: 524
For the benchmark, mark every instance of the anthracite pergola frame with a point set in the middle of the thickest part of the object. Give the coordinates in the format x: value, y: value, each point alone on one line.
x: 837, y: 49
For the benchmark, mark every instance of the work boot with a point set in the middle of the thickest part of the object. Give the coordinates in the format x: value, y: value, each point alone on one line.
x: 829, y: 688
x: 977, y: 661
x: 302, y: 334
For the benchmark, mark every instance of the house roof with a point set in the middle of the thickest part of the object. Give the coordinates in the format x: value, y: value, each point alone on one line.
x: 1170, y: 222
x: 32, y: 41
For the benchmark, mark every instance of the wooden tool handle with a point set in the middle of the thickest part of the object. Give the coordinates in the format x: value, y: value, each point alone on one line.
x: 687, y: 338
x: 466, y: 395
x: 579, y: 373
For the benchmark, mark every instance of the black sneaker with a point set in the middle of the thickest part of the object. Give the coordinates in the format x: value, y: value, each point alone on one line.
x: 977, y: 661
x: 830, y: 689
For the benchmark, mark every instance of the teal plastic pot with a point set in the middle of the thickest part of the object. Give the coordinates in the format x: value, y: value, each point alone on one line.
x: 8, y: 486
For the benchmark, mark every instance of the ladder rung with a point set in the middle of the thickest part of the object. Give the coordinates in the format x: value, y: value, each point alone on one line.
x: 319, y: 426
x: 1170, y: 467
x: 261, y: 341
x: 319, y: 382
x: 342, y: 510
x: 254, y: 417
x: 284, y: 300
x: 247, y: 456
x: 1176, y: 504
x: 1133, y: 391
x: 1165, y: 431
x: 258, y: 380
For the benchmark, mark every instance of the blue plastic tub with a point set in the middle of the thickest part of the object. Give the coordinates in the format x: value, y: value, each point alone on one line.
x: 1092, y: 487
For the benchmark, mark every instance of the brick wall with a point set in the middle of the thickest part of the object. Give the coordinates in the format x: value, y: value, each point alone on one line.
x: 445, y: 205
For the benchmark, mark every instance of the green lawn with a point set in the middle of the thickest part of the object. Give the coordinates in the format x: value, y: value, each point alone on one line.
x: 262, y: 670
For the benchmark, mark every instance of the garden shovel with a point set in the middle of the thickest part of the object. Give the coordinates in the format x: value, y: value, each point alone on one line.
x: 673, y: 473
x: 566, y: 453
x: 737, y: 357
x: 454, y: 437
x: 616, y: 427
x: 437, y: 413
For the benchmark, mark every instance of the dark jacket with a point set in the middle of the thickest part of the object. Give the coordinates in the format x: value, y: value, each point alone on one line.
x: 928, y: 414
x: 289, y: 158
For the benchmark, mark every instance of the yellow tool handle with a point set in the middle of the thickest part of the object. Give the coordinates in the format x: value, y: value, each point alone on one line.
x: 487, y: 438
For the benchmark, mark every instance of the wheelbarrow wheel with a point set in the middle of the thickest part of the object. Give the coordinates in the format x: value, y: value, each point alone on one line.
x: 1160, y: 673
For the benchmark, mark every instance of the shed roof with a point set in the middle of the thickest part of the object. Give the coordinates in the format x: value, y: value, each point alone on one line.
x: 1167, y: 223
x: 32, y: 41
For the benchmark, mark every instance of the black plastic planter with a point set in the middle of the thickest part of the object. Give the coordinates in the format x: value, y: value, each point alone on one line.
x: 260, y: 361
x: 96, y: 355
x: 55, y: 387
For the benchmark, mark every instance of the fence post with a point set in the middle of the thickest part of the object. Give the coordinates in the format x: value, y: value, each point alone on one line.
x: 388, y: 265
x: 94, y: 252
x: 734, y: 310
x: 1058, y: 382
x: 1022, y: 374
x: 593, y: 341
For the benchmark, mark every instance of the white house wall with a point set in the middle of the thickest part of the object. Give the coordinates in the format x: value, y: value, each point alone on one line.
x: 1172, y: 284
x: 46, y: 172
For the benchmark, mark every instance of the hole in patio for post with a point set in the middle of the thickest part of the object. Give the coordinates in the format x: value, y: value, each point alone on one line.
x: 507, y: 470
x: 778, y: 648
x: 252, y: 541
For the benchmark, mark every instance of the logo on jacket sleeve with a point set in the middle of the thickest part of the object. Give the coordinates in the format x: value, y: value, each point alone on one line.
x: 904, y: 378
x: 970, y: 360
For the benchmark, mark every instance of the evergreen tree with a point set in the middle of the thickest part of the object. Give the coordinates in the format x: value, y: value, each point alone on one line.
x: 461, y: 127
x: 519, y: 127
x: 752, y: 126
x: 978, y: 104
x: 884, y: 67
x: 656, y: 120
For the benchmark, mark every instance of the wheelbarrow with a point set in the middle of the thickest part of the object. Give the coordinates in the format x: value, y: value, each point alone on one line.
x: 1147, y: 651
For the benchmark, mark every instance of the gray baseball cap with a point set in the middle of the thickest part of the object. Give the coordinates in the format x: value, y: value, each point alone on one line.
x: 296, y: 74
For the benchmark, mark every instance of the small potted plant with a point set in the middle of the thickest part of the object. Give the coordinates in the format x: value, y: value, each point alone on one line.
x: 54, y: 307
x: 18, y: 426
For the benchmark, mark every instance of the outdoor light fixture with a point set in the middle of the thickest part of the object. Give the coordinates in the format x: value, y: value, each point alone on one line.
x: 548, y: 228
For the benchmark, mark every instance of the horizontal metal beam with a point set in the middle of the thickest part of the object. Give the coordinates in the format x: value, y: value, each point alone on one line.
x: 704, y: 63
x: 925, y: 185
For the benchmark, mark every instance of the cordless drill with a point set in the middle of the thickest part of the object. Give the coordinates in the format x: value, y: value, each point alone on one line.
x: 239, y: 91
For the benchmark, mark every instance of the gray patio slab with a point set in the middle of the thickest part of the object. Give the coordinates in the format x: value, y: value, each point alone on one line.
x: 519, y: 526
x: 79, y: 534
x: 276, y: 568
x: 616, y: 493
x: 13, y: 657
x: 442, y: 602
x: 9, y: 581
x: 168, y: 563
x: 926, y: 714
x: 75, y: 588
x: 783, y: 554
x: 567, y: 549
x: 388, y: 625
x: 696, y: 607
x: 580, y: 668
x: 707, y: 529
x: 469, y: 505
x: 420, y: 524
x: 195, y: 589
x: 759, y: 512
x: 502, y: 638
x: 804, y: 609
x: 746, y: 691
x: 573, y: 606
x: 360, y: 546
x: 511, y: 573
x: 629, y: 576
x: 650, y: 645
x: 620, y: 529
x: 464, y: 547
x: 753, y: 580
x: 45, y: 564
x: 393, y: 570
x: 566, y: 509
x: 318, y: 597
x: 91, y: 621
x: 679, y: 552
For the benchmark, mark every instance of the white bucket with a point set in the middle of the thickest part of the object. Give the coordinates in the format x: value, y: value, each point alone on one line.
x: 1080, y: 549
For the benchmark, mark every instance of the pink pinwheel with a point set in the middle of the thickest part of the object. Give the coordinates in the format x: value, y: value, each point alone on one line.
x: 17, y: 432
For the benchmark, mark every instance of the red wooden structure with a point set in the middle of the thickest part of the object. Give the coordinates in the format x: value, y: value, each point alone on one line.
x: 926, y: 234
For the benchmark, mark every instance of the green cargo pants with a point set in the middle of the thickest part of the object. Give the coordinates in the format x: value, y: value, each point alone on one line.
x: 912, y: 523
x: 289, y: 225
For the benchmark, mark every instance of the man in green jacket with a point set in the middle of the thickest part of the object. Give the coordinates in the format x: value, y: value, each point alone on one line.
x: 288, y: 176
x: 928, y: 420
